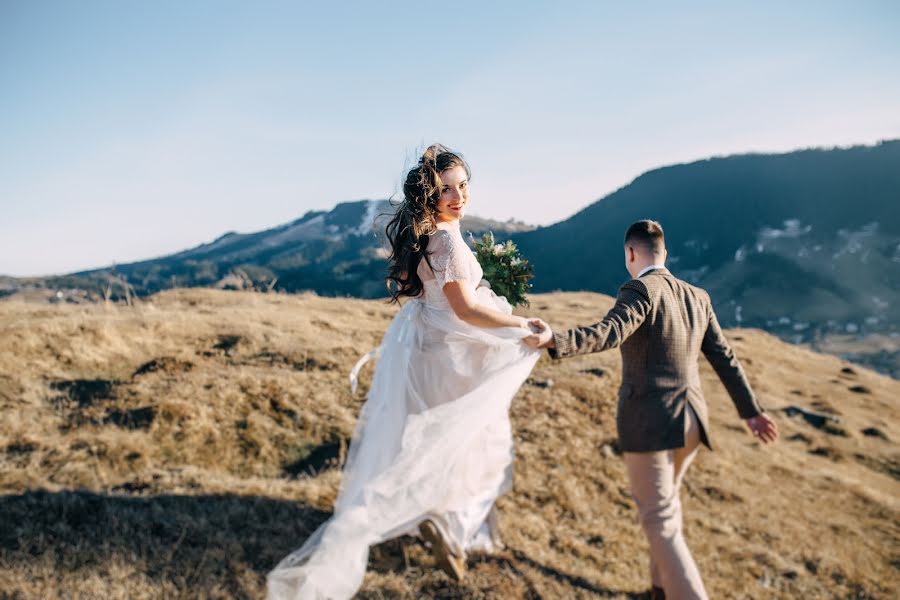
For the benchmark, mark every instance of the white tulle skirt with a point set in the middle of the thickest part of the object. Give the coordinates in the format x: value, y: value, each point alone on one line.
x: 433, y: 441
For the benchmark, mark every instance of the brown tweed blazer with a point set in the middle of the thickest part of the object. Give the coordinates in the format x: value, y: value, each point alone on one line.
x: 662, y: 324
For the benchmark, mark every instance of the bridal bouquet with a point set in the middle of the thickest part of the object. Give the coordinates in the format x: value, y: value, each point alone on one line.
x: 504, y: 268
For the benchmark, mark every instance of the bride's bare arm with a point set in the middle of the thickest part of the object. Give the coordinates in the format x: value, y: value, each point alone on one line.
x: 463, y: 304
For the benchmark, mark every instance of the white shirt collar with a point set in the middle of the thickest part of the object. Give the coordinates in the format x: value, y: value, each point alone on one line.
x: 650, y: 268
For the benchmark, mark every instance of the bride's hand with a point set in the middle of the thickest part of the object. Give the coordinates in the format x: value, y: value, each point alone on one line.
x: 541, y: 334
x: 532, y: 324
x: 523, y: 323
x: 537, y: 325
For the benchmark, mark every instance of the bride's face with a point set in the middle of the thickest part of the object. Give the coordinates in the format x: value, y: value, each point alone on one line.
x: 454, y: 194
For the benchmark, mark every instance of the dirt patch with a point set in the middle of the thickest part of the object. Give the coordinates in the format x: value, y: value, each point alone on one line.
x: 716, y: 493
x: 303, y: 363
x: 83, y: 392
x: 317, y: 459
x: 164, y: 364
x: 800, y: 437
x: 132, y: 487
x: 227, y: 343
x: 823, y: 421
x: 21, y: 447
x: 595, y: 372
x: 822, y: 406
x: 539, y: 382
x: 874, y: 432
x: 135, y: 418
x: 835, y: 429
x: 888, y: 466
x: 828, y: 452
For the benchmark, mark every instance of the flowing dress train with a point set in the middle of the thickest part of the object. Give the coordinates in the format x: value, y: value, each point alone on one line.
x: 433, y: 439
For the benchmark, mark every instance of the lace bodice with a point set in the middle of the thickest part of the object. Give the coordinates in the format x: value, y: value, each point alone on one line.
x: 452, y: 260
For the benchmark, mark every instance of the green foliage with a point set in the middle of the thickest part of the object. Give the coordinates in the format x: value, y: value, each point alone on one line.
x: 504, y: 268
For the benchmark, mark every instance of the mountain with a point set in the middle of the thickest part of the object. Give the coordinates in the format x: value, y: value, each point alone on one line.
x: 804, y: 244
x: 335, y: 253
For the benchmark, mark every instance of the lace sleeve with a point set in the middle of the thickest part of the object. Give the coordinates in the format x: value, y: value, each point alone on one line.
x: 448, y: 258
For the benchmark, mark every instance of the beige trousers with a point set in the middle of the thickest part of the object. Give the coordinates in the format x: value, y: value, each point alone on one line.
x: 655, y: 479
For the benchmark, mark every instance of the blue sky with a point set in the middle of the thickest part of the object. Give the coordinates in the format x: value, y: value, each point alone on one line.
x: 135, y: 129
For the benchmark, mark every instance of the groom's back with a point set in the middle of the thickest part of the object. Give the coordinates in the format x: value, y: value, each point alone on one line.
x: 660, y: 369
x: 672, y: 333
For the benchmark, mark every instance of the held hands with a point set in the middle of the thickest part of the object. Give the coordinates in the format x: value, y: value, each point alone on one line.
x: 763, y: 428
x: 541, y: 334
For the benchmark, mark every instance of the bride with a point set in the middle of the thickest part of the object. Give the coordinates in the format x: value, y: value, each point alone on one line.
x: 433, y: 446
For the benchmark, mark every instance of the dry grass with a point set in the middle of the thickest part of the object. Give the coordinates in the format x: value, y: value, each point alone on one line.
x: 181, y: 447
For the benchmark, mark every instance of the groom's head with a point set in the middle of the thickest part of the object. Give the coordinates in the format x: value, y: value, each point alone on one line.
x: 645, y: 245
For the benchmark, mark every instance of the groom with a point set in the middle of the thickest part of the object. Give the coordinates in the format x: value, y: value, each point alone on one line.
x: 662, y: 325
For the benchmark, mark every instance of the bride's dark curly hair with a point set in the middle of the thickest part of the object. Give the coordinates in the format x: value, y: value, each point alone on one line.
x: 416, y: 217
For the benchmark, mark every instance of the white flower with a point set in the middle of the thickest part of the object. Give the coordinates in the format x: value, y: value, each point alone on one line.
x: 498, y: 249
x: 515, y: 261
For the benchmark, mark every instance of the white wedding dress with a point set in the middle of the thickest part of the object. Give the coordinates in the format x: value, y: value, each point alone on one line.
x: 433, y: 439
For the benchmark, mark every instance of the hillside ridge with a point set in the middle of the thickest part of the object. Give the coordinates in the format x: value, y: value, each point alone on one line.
x: 190, y: 441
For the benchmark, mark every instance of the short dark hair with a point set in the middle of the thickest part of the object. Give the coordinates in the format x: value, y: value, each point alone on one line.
x: 648, y: 235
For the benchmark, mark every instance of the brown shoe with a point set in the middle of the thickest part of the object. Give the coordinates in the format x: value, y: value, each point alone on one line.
x: 452, y: 565
x: 657, y: 593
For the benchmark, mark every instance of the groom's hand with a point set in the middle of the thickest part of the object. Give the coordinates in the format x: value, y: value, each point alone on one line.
x: 542, y: 335
x: 763, y: 428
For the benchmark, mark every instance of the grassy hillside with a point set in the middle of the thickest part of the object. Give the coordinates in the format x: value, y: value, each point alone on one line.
x: 181, y: 447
